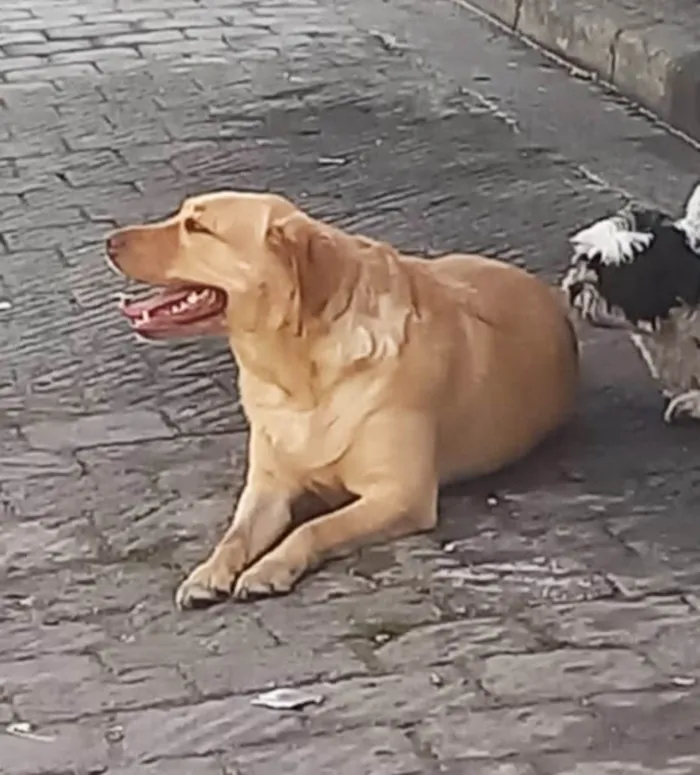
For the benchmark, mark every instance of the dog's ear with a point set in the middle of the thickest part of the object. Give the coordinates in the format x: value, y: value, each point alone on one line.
x: 319, y: 269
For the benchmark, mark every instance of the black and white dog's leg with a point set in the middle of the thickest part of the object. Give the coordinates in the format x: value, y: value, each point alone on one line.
x: 683, y: 405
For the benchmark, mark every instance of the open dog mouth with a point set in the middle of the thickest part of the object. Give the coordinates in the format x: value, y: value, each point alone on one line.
x: 176, y: 311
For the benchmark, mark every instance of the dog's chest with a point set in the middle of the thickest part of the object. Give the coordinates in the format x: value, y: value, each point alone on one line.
x: 307, y: 440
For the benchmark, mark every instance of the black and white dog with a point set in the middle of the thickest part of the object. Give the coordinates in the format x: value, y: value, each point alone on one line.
x: 639, y: 270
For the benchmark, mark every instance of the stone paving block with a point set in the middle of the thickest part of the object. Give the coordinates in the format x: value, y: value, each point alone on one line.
x: 486, y: 768
x: 18, y: 64
x: 378, y: 751
x: 129, y: 38
x: 459, y: 642
x: 632, y: 624
x: 67, y: 238
x: 139, y: 593
x: 399, y: 700
x: 148, y: 639
x: 43, y: 545
x: 680, y: 758
x: 35, y: 44
x: 161, y: 527
x: 90, y: 431
x: 41, y: 72
x: 96, y: 57
x: 186, y: 766
x: 94, y: 31
x: 644, y: 717
x: 470, y: 735
x: 566, y: 673
x: 58, y: 688
x: 202, y: 729
x: 21, y: 464
x: 26, y: 636
x: 674, y: 649
x: 182, y: 464
x: 77, y: 747
x: 369, y: 618
x: 241, y: 669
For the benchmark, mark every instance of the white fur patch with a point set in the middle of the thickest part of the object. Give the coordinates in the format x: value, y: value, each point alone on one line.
x: 690, y: 222
x: 611, y: 240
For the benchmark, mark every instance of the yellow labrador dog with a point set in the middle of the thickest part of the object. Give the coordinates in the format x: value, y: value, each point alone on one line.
x: 368, y: 377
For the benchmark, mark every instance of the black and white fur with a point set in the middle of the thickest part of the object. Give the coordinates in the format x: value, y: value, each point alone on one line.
x: 639, y: 270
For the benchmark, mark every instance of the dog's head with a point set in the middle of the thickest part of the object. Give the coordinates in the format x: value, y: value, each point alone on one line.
x: 233, y: 261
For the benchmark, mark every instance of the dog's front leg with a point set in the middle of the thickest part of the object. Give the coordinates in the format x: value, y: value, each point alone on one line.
x: 397, y: 487
x: 263, y: 513
x: 373, y: 517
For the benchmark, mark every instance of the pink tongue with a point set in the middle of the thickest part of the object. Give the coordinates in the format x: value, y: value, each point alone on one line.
x: 159, y: 299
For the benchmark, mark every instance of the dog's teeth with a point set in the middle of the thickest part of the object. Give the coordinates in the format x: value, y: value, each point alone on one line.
x: 145, y: 317
x: 193, y: 297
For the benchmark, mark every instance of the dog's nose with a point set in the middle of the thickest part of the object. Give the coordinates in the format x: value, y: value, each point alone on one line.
x: 114, y: 244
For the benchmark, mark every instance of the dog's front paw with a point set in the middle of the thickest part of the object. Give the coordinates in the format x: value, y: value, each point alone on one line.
x: 209, y: 583
x: 273, y: 574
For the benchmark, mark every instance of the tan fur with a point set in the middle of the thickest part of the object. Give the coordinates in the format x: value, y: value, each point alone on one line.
x: 368, y: 377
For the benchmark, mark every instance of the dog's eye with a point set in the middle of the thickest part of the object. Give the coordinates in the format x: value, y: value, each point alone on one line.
x: 193, y: 226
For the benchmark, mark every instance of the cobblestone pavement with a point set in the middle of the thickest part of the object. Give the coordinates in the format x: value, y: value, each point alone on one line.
x: 550, y: 626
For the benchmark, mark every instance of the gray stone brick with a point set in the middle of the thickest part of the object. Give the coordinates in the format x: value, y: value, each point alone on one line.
x: 27, y: 636
x: 41, y: 545
x: 566, y: 674
x: 454, y: 642
x: 231, y: 670
x: 66, y: 693
x: 405, y: 700
x: 613, y: 623
x: 24, y: 24
x: 96, y: 31
x: 205, y: 33
x: 73, y: 746
x: 182, y: 21
x: 381, y: 751
x: 189, y: 48
x: 67, y: 238
x: 26, y: 464
x: 198, y: 729
x: 45, y: 47
x: 17, y: 38
x: 14, y: 14
x: 470, y: 735
x: 137, y: 17
x: 141, y: 38
x: 197, y: 765
x: 17, y: 65
x: 96, y: 55
x: 473, y: 767
x: 40, y: 71
x: 88, y: 431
